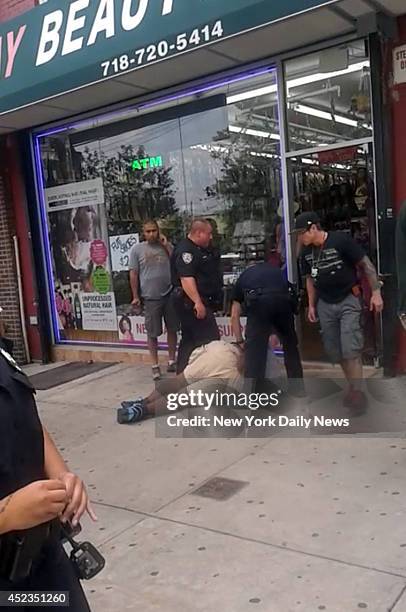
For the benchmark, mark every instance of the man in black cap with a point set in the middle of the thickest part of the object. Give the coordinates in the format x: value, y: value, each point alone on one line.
x: 331, y: 261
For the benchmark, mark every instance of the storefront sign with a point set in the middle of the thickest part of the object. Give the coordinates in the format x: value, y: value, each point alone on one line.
x: 75, y: 195
x: 132, y: 330
x: 338, y: 155
x: 147, y: 163
x: 120, y: 248
x: 66, y: 44
x: 399, y: 65
x: 98, y: 312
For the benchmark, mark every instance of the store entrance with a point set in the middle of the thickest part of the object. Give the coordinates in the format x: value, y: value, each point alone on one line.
x: 339, y: 186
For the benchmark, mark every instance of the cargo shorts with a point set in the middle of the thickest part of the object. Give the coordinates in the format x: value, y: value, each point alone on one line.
x: 157, y: 310
x: 341, y: 328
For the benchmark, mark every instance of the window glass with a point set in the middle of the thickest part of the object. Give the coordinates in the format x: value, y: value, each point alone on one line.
x: 102, y: 181
x: 329, y: 97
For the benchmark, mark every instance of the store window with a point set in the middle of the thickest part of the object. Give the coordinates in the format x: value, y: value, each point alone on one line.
x: 217, y: 156
x: 329, y: 97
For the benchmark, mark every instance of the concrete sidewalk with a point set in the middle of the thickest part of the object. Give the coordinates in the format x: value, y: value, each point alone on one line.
x: 318, y: 523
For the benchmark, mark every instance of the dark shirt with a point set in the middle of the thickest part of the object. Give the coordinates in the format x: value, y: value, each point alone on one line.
x: 263, y: 276
x: 21, y: 435
x: 204, y: 265
x: 333, y: 266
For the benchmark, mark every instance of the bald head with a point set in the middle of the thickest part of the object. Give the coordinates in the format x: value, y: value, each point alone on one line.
x: 201, y: 232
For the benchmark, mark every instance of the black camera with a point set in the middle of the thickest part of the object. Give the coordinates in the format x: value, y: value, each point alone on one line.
x: 87, y: 560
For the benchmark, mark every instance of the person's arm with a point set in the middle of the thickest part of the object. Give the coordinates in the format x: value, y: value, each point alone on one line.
x: 189, y: 286
x: 369, y: 270
x: 236, y: 322
x: 134, y: 266
x: 312, y: 296
x: 56, y: 468
x: 134, y: 287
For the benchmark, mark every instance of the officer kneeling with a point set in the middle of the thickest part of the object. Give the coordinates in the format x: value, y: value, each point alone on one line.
x: 37, y: 493
x: 269, y: 305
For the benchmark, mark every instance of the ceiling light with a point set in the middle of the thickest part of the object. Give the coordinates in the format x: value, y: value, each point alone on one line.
x: 306, y: 80
x: 250, y: 132
x: 315, y: 112
x: 323, y: 76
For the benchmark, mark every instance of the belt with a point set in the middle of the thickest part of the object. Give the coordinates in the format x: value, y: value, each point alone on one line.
x: 20, y: 551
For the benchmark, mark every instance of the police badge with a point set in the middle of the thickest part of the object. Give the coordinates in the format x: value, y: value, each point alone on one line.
x: 187, y: 258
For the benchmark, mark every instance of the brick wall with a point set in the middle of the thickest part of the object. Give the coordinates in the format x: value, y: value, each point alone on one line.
x: 12, y: 8
x: 9, y: 299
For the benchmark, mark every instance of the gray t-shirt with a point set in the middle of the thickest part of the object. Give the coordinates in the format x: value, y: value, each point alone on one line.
x: 152, y: 263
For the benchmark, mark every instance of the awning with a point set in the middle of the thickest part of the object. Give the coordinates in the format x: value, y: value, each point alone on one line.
x: 67, y: 57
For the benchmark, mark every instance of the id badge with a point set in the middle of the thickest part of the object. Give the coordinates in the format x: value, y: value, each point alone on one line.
x: 315, y: 272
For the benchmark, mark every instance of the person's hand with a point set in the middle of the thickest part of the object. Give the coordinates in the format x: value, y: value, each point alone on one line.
x: 136, y: 302
x: 200, y: 310
x: 312, y: 314
x: 376, y: 304
x: 77, y: 498
x: 35, y: 504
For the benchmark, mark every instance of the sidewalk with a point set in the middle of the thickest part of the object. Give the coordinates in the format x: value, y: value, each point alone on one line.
x: 318, y: 523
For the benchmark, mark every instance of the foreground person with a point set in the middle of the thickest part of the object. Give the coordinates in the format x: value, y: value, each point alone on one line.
x: 37, y: 491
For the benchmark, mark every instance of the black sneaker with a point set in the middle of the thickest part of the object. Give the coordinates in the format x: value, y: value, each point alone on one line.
x: 171, y: 369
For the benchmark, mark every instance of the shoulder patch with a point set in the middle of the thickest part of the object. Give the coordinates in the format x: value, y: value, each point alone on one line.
x: 187, y: 258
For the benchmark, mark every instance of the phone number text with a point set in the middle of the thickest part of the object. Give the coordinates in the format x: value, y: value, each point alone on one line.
x: 163, y: 49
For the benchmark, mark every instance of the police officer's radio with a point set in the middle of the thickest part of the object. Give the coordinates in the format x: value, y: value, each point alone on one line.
x: 86, y: 559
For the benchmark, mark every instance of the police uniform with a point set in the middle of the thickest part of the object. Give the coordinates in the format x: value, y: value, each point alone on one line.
x: 203, y: 264
x: 21, y: 463
x: 264, y: 290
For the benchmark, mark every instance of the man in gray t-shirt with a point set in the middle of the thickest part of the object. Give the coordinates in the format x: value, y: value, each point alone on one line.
x: 150, y: 279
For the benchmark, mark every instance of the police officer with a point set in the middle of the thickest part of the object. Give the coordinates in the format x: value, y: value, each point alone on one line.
x: 269, y: 305
x: 198, y: 282
x: 37, y: 493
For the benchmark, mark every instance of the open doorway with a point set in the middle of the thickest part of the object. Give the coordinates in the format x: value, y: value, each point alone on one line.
x: 339, y: 186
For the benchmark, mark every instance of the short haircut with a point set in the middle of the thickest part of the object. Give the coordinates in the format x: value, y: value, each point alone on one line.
x: 197, y: 224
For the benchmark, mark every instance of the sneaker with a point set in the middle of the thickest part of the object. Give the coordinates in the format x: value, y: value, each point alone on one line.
x: 156, y: 373
x: 131, y: 412
x: 171, y: 369
x: 356, y: 403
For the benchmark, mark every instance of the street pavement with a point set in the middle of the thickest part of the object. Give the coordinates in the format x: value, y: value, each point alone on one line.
x: 314, y: 523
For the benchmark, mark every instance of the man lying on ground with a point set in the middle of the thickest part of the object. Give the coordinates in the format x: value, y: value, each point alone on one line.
x: 219, y: 360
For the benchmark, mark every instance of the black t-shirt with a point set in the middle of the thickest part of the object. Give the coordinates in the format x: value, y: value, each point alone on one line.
x: 333, y: 266
x: 204, y: 265
x: 263, y: 276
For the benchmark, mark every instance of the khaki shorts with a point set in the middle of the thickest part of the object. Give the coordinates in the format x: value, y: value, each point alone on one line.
x: 341, y: 328
x: 157, y: 310
x: 217, y: 360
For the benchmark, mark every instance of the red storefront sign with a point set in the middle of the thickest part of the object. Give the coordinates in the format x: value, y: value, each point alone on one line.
x: 337, y: 156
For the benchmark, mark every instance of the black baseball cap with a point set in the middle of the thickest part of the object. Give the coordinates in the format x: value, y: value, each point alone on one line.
x: 304, y: 222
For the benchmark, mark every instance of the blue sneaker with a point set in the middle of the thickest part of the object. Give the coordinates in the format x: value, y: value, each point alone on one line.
x: 131, y: 412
